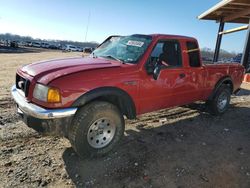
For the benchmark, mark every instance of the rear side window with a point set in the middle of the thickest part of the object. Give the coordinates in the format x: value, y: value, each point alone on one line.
x: 194, y: 54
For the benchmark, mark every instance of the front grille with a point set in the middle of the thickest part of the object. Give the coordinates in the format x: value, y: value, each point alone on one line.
x: 22, y: 84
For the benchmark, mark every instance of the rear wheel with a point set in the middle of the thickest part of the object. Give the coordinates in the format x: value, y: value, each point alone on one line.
x: 220, y: 102
x: 96, y: 129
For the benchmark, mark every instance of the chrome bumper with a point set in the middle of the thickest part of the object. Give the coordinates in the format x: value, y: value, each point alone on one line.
x: 36, y: 111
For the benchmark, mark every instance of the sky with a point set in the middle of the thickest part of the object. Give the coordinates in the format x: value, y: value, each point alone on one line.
x: 68, y: 20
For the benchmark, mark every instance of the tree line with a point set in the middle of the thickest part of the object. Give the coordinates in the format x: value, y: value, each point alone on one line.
x: 13, y: 37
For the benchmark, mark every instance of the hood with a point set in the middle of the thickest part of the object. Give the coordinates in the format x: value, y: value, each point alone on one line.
x: 46, y: 71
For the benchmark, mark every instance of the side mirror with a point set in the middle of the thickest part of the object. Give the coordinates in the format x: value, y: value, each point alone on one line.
x: 150, y: 68
x: 157, y: 71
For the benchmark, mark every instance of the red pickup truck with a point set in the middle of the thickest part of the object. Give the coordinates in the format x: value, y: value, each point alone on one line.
x: 87, y: 98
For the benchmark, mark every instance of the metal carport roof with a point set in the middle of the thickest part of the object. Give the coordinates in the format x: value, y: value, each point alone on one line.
x: 234, y: 11
x: 231, y: 11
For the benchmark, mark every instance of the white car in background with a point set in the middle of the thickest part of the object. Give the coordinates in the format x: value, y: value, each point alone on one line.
x: 79, y: 49
x: 45, y: 45
x: 71, y: 48
x: 36, y: 44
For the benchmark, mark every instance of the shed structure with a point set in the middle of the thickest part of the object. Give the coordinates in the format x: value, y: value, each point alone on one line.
x: 231, y: 11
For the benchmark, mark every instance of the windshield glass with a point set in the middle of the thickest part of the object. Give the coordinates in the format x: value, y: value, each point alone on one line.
x: 124, y: 48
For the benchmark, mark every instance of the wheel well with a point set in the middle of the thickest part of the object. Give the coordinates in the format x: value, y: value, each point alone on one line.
x: 112, y: 95
x: 227, y: 81
x: 115, y: 100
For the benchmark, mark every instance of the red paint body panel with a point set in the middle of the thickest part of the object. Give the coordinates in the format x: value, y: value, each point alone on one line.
x: 76, y: 76
x: 50, y: 70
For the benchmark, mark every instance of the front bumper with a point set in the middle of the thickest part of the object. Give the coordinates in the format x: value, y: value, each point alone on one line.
x: 52, y: 121
x: 37, y: 111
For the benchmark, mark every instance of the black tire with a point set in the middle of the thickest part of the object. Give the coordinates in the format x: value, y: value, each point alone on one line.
x: 215, y: 106
x: 81, y: 129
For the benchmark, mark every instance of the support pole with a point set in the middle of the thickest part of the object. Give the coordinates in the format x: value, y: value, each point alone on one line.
x: 245, y: 55
x: 218, y: 42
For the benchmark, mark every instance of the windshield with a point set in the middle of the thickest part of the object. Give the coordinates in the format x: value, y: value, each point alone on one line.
x: 127, y: 49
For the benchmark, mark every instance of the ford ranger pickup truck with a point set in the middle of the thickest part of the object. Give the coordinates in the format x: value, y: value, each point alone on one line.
x: 86, y: 99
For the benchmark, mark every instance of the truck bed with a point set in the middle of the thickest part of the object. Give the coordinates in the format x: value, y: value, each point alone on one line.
x: 216, y: 71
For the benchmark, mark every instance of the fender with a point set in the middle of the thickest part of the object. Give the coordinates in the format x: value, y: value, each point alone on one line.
x: 223, y: 80
x: 114, y: 95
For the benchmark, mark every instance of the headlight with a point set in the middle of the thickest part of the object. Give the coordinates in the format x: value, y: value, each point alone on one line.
x: 46, y: 94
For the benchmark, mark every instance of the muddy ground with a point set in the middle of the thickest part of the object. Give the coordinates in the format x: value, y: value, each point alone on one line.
x: 179, y: 148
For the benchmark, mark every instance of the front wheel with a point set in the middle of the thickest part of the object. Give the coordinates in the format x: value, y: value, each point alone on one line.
x: 96, y: 129
x: 220, y: 102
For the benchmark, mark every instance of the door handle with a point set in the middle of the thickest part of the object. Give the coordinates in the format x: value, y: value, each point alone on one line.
x: 182, y: 75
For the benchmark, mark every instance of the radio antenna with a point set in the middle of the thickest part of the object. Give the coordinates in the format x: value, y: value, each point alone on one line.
x: 87, y: 28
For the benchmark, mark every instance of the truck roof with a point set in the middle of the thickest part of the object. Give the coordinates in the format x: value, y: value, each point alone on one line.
x: 172, y: 36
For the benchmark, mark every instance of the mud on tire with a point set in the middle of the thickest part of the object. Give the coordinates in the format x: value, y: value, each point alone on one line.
x: 96, y: 129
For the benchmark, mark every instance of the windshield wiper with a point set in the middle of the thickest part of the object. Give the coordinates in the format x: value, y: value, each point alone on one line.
x: 112, y: 57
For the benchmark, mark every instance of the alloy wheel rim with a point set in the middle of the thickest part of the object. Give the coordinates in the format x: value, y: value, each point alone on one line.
x: 101, y: 133
x: 222, y: 101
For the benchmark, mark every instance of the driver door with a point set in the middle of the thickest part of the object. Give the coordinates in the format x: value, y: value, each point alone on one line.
x: 170, y: 87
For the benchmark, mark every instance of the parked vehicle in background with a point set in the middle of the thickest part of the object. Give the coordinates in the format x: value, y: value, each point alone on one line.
x: 1, y: 42
x: 237, y: 58
x: 88, y: 50
x: 79, y: 49
x: 60, y: 47
x: 224, y: 60
x: 86, y: 99
x: 53, y: 46
x: 28, y: 43
x: 71, y: 48
x: 21, y: 43
x: 14, y: 44
x: 63, y: 47
x: 207, y: 59
x: 36, y: 44
x: 45, y: 45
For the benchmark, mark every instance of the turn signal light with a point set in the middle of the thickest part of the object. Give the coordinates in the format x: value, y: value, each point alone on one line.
x: 54, y: 95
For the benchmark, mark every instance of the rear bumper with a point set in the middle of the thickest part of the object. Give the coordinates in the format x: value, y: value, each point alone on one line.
x: 50, y: 121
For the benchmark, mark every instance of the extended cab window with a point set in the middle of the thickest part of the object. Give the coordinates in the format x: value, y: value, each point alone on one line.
x: 168, y: 53
x: 194, y: 54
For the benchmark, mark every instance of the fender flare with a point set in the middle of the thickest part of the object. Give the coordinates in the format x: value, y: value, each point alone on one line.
x: 114, y: 95
x: 224, y: 80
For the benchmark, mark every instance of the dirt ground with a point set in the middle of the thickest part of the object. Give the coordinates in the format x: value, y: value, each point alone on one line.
x: 172, y: 148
